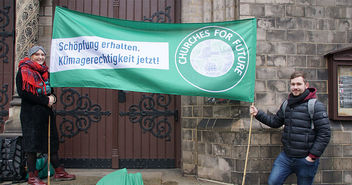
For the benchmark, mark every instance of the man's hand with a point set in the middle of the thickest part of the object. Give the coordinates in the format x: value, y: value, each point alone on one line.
x: 253, y: 110
x: 310, y: 159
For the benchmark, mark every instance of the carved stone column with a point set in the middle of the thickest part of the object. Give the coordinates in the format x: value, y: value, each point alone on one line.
x: 27, y: 26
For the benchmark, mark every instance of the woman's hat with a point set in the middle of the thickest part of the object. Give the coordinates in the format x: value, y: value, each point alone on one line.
x: 34, y: 49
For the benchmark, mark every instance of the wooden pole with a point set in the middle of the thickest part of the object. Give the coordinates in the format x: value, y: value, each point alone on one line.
x: 249, y: 143
x: 49, y: 152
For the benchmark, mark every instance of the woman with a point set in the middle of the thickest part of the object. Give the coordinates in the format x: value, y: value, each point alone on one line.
x: 32, y: 82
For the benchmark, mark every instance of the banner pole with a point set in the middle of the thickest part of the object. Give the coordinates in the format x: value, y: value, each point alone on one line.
x: 249, y: 143
x: 49, y: 152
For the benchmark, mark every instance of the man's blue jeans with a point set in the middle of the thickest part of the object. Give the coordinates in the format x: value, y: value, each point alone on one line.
x: 284, y: 166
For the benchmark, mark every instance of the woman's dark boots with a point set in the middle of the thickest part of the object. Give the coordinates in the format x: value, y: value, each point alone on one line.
x: 62, y: 175
x: 33, y: 179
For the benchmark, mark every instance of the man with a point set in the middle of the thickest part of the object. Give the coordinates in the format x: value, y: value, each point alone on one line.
x: 302, y: 144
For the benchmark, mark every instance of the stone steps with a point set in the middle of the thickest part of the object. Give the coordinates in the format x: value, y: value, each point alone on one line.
x: 150, y: 177
x: 88, y: 177
x: 92, y: 177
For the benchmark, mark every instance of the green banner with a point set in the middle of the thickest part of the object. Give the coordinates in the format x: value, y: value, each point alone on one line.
x: 196, y: 59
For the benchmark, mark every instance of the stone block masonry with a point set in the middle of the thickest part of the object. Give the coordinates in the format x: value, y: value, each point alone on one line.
x: 292, y: 35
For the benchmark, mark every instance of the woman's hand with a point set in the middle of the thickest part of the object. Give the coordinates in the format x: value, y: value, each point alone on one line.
x: 52, y: 100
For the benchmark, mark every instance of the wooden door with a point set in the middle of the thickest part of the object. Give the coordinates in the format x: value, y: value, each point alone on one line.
x: 98, y: 127
x: 148, y: 131
x: 7, y: 57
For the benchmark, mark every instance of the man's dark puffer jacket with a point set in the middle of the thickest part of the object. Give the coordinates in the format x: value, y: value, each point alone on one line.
x: 298, y: 139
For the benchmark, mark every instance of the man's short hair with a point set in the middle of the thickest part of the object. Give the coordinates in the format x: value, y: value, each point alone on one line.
x: 297, y: 74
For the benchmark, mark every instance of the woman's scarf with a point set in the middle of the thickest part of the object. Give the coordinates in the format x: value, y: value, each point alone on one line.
x: 34, y: 76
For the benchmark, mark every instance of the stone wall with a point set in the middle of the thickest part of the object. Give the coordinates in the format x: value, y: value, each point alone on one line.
x: 222, y: 152
x: 292, y: 35
x: 295, y: 35
x: 45, y: 26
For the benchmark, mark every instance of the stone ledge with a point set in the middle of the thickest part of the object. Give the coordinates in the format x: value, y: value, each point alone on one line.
x: 233, y: 125
x: 341, y: 125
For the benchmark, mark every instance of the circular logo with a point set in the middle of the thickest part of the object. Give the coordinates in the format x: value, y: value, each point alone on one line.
x: 212, y: 58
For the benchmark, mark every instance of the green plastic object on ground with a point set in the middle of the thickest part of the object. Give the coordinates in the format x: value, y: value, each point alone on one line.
x: 121, y: 177
x: 42, y: 167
